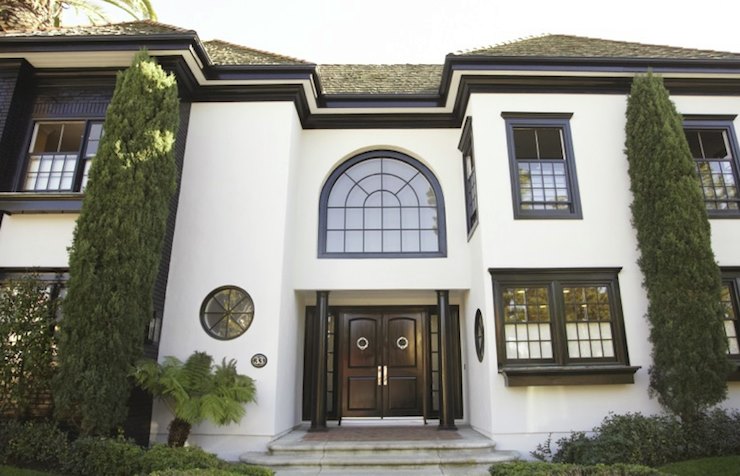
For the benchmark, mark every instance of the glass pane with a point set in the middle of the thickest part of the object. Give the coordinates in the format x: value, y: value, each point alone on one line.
x: 400, y: 169
x: 392, y: 241
x: 373, y: 241
x: 339, y: 192
x: 372, y: 218
x: 429, y: 241
x: 410, y: 218
x: 354, y: 218
x: 525, y: 143
x: 692, y: 136
x: 428, y: 218
x: 713, y: 142
x: 47, y: 138
x: 364, y: 169
x: 391, y: 218
x: 356, y: 197
x: 353, y: 241
x: 550, y: 143
x: 72, y: 136
x: 546, y: 350
x: 411, y: 241
x: 423, y: 190
x: 335, y: 218
x: 334, y: 241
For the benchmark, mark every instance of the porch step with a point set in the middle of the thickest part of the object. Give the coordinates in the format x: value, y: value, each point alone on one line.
x: 409, y: 451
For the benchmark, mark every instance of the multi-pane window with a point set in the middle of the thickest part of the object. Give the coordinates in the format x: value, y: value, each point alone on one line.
x: 542, y: 166
x: 381, y: 203
x: 730, y: 304
x: 471, y: 192
x: 60, y: 154
x: 558, y: 317
x: 713, y: 147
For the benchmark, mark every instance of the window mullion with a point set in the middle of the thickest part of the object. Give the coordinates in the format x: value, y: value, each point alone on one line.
x: 557, y: 316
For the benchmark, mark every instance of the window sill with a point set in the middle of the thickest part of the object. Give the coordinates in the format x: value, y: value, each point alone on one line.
x: 39, y: 202
x: 571, y: 375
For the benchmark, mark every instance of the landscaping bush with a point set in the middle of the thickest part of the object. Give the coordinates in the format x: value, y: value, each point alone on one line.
x: 32, y: 444
x: 648, y: 440
x: 161, y: 457
x: 94, y: 456
x: 248, y: 469
x: 558, y: 469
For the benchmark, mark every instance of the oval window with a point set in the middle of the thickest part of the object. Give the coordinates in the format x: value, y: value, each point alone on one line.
x: 479, y: 335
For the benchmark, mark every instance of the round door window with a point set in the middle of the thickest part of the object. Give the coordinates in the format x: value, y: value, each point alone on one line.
x: 480, y: 338
x: 227, y: 312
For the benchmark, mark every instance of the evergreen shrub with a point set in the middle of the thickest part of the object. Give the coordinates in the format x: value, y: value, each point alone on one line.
x: 96, y: 456
x: 161, y: 457
x: 521, y: 468
x: 32, y: 444
x: 649, y: 440
x: 689, y: 355
x: 224, y: 471
x: 115, y: 253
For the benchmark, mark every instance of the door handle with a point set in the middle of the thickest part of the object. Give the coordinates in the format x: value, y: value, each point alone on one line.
x: 385, y: 375
x: 380, y: 376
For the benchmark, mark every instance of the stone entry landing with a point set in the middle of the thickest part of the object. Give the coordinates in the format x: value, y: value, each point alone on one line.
x: 383, y: 433
x: 359, y: 450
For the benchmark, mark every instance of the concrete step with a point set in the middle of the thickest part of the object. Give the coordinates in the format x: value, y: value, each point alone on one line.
x: 464, y: 453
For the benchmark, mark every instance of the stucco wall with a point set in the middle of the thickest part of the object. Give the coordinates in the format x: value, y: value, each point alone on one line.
x: 36, y: 240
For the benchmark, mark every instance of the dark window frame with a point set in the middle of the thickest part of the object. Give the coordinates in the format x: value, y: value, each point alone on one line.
x: 562, y: 369
x: 731, y: 278
x: 543, y: 120
x: 723, y: 123
x: 81, y: 160
x: 469, y: 177
x: 382, y: 154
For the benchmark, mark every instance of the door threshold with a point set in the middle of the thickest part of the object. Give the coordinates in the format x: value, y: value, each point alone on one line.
x: 387, y: 421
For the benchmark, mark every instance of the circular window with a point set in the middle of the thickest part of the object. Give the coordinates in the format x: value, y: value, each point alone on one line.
x: 227, y: 312
x: 480, y: 338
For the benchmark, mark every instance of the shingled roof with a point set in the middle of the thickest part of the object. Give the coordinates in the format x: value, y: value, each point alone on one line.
x: 225, y: 53
x: 134, y: 28
x: 568, y: 46
x: 380, y: 79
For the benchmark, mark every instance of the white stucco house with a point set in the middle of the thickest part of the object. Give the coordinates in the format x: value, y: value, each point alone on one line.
x: 446, y: 242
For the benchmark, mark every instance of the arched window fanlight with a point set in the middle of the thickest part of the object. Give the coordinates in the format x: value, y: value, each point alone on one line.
x: 382, y: 204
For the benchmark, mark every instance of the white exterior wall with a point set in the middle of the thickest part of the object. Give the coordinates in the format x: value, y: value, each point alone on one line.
x: 522, y: 417
x: 231, y: 230
x: 36, y: 240
x: 248, y: 216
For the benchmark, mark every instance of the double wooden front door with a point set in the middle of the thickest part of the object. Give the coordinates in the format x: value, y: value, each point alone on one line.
x: 382, y: 363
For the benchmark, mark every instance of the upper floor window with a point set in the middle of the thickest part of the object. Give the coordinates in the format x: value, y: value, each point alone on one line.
x: 59, y: 155
x: 730, y: 300
x: 381, y: 204
x: 543, y: 172
x: 714, y: 148
x: 553, y: 323
x: 471, y: 192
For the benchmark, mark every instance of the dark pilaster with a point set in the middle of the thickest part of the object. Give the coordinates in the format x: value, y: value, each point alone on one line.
x: 318, y: 407
x: 447, y: 405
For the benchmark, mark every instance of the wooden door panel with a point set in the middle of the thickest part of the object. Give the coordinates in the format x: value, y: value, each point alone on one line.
x: 362, y: 395
x: 403, y: 395
x: 401, y: 342
x: 363, y: 342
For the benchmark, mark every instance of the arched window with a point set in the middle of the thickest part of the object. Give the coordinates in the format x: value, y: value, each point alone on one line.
x: 382, y: 204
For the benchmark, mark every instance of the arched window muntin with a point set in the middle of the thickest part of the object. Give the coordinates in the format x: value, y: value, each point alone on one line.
x: 380, y: 204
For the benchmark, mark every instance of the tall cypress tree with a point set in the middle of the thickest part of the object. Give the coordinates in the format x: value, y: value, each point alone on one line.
x: 681, y: 277
x: 115, y: 253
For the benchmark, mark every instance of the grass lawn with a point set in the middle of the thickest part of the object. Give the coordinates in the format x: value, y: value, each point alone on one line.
x: 10, y: 471
x: 720, y: 466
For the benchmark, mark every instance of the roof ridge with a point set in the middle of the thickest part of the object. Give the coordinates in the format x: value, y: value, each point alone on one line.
x: 501, y: 43
x: 256, y: 50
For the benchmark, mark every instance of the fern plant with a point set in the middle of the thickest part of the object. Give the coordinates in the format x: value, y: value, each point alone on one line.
x: 196, y: 390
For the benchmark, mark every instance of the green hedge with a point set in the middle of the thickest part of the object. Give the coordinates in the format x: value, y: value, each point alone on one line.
x: 559, y: 469
x: 38, y: 445
x: 95, y: 456
x: 649, y: 440
x: 225, y: 471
